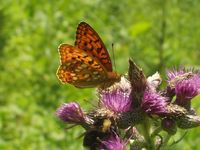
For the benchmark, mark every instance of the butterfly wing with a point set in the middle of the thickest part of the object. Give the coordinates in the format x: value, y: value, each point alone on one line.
x: 79, y: 68
x: 88, y: 40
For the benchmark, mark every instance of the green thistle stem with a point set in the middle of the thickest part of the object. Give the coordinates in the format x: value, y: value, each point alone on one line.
x: 155, y: 132
x: 146, y: 125
x: 165, y: 141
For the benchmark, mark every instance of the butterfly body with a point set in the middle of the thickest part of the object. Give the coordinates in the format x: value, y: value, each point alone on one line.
x: 87, y: 64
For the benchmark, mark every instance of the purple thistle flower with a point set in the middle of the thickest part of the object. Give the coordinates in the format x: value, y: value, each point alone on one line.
x: 172, y: 74
x: 175, y: 76
x: 154, y: 103
x: 117, y: 98
x: 196, y: 79
x: 71, y: 113
x: 116, y: 101
x: 187, y: 89
x: 185, y: 84
x: 112, y: 142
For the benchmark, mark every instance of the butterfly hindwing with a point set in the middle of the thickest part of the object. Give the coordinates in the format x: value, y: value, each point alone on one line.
x: 88, y: 40
x: 79, y: 68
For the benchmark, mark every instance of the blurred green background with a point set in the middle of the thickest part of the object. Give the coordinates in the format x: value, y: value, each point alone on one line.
x: 157, y: 34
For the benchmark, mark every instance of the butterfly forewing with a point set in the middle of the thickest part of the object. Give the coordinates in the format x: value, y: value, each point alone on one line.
x: 88, y: 40
x: 79, y: 68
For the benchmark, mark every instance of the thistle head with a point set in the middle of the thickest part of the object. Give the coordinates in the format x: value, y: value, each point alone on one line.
x: 117, y: 98
x: 154, y: 103
x: 71, y: 113
x: 113, y: 141
x: 185, y: 84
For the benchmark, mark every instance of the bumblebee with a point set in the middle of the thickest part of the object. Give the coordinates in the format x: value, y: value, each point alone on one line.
x: 101, y: 129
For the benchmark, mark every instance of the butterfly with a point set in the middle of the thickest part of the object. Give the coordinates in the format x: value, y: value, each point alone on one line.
x: 87, y: 64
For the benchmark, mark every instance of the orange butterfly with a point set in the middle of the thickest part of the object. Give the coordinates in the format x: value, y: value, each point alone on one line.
x: 87, y: 64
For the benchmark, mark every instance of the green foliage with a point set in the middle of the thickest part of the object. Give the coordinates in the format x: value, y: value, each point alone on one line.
x: 156, y: 34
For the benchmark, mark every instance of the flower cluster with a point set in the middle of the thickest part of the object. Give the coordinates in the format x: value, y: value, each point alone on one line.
x: 137, y: 101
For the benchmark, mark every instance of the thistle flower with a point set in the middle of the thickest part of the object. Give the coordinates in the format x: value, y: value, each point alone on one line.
x: 187, y: 89
x: 196, y: 79
x: 71, y: 113
x: 185, y: 84
x: 153, y: 103
x: 172, y: 74
x: 175, y: 76
x: 112, y: 142
x: 117, y: 98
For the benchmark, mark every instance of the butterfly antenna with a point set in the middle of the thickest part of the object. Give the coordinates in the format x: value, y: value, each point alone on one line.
x: 113, y: 56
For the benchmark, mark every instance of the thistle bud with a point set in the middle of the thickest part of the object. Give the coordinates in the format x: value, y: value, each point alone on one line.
x: 169, y: 125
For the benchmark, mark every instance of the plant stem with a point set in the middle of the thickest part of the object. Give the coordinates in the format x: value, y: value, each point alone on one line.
x: 146, y: 133
x: 166, y: 140
x: 155, y: 132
